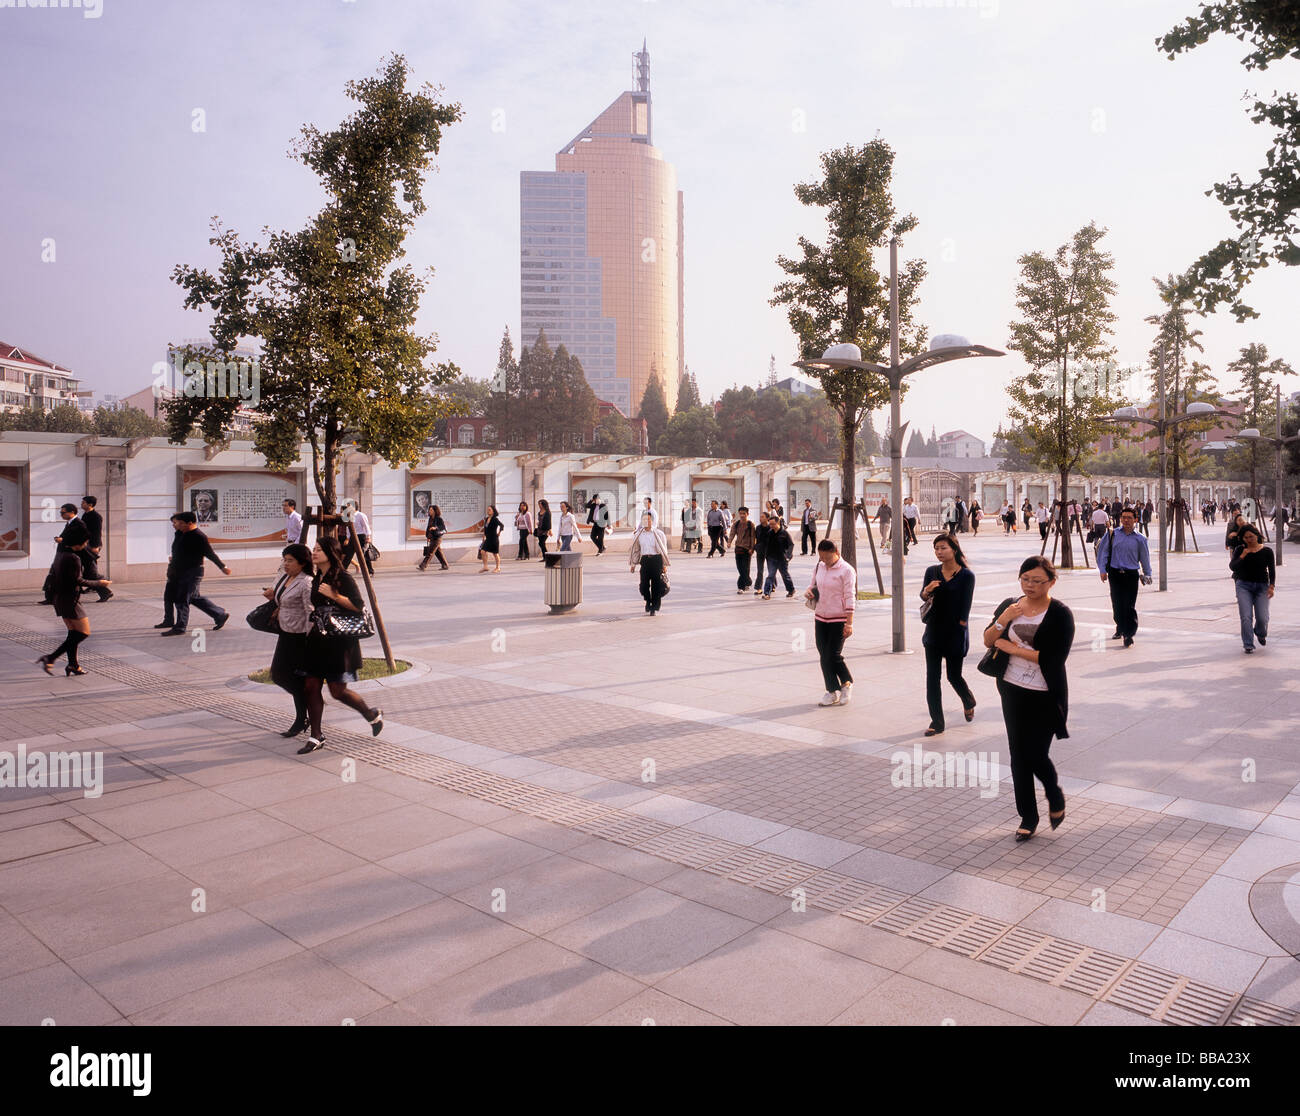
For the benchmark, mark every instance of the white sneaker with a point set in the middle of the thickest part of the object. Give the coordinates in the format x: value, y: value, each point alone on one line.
x: 831, y: 697
x: 846, y: 693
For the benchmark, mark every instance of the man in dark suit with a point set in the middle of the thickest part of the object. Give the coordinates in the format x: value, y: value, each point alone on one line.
x: 808, y: 528
x: 94, y: 524
x: 74, y: 532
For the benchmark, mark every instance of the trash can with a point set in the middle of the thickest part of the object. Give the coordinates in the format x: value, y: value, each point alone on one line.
x: 563, y: 581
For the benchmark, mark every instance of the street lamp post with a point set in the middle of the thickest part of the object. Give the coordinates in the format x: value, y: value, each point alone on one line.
x: 1163, y: 424
x: 943, y: 348
x: 1253, y: 435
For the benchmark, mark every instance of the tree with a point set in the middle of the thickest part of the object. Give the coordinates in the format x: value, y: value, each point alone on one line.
x: 505, y: 405
x: 932, y: 444
x: 916, y: 446
x: 868, y: 439
x: 614, y: 434
x: 688, y: 393
x: 129, y: 422
x: 63, y: 419
x: 1267, y: 211
x: 835, y: 294
x: 554, y: 405
x: 1257, y: 381
x: 654, y: 409
x: 1006, y: 446
x: 693, y: 433
x: 331, y: 304
x: 1057, y: 412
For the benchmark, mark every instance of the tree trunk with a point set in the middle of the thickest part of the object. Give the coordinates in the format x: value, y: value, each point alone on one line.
x: 1180, y: 543
x: 1067, y: 550
x: 848, y: 487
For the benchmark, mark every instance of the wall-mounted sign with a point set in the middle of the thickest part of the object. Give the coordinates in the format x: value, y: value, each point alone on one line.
x: 707, y: 489
x: 613, y: 493
x: 461, y: 500
x: 239, y: 505
x: 818, y: 491
x: 13, y: 510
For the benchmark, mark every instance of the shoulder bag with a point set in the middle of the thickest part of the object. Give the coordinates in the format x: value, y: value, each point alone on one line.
x: 332, y: 622
x: 995, y: 660
x: 265, y: 617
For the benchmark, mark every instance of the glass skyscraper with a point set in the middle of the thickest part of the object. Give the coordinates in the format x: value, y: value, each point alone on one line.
x: 601, y: 253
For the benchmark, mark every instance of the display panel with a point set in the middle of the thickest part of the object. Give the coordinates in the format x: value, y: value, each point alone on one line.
x: 239, y: 505
x: 461, y: 498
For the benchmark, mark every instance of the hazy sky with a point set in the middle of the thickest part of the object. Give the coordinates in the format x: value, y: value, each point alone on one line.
x: 1015, y: 122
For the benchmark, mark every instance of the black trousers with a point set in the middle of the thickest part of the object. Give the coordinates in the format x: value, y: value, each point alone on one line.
x: 1030, y: 717
x: 287, y: 670
x: 358, y: 552
x: 940, y: 648
x: 183, y: 590
x: 523, y: 554
x: 808, y: 538
x: 652, y: 569
x: 715, y: 541
x: 909, y: 530
x: 742, y: 568
x: 598, y: 537
x: 777, y: 564
x: 1123, y: 600
x: 1043, y: 528
x: 90, y: 570
x: 830, y: 648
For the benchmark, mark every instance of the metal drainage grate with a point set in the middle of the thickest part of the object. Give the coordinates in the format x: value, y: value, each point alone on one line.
x: 1255, y: 1013
x: 1169, y: 997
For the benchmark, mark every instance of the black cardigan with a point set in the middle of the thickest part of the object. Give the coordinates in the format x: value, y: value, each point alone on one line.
x: 952, y: 602
x: 1053, y: 639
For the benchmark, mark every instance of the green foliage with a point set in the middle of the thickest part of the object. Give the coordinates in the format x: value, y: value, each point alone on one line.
x: 688, y: 393
x: 654, y: 409
x: 693, y: 433
x: 774, y: 425
x: 63, y: 419
x: 466, y: 396
x: 332, y: 305
x: 916, y: 446
x: 129, y: 422
x: 1257, y: 381
x: 1266, y: 211
x: 1122, y: 461
x: 547, y: 403
x: 835, y: 294
x: 614, y: 434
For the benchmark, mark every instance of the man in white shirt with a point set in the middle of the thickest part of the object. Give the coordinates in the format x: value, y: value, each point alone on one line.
x: 648, y: 509
x: 361, y: 525
x: 1100, y: 522
x: 911, y: 514
x: 292, y: 522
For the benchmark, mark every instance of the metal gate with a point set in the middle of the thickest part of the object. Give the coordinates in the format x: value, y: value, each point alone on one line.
x: 932, y: 488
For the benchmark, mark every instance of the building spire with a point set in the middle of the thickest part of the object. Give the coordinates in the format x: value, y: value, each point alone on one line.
x: 642, y: 69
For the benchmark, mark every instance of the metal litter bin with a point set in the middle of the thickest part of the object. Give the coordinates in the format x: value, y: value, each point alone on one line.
x: 563, y: 581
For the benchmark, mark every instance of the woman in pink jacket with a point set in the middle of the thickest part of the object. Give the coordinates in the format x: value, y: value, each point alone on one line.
x: 834, y: 588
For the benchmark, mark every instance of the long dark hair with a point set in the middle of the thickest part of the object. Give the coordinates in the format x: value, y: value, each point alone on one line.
x: 333, y: 551
x: 951, y: 539
x: 544, y: 505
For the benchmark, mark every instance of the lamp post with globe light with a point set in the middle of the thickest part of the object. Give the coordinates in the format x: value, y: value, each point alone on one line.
x: 1252, y: 434
x: 943, y: 348
x: 1162, y: 424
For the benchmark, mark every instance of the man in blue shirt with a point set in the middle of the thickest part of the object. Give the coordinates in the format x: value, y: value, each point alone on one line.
x: 1120, y: 555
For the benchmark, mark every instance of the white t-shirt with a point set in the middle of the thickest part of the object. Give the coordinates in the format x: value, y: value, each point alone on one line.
x: 910, y: 511
x: 1101, y: 518
x: 360, y: 524
x: 1021, y: 672
x: 648, y: 541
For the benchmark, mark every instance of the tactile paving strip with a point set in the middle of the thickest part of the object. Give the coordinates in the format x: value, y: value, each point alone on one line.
x: 1127, y: 983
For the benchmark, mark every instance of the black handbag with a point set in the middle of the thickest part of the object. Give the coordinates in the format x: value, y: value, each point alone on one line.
x: 264, y: 618
x: 664, y: 587
x: 372, y: 553
x: 339, y: 623
x: 994, y: 663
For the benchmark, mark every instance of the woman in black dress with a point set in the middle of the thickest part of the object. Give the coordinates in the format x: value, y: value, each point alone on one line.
x: 949, y: 586
x: 492, y: 528
x: 333, y: 659
x: 543, y: 531
x: 434, y: 529
x: 66, y: 584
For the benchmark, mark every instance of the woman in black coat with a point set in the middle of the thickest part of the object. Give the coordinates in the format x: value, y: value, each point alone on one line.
x: 1036, y: 633
x: 543, y: 531
x: 333, y: 660
x: 492, y: 528
x: 434, y: 529
x: 949, y: 586
x: 66, y: 584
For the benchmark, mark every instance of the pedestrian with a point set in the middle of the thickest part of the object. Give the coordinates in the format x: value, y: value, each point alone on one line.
x: 524, y: 525
x: 65, y: 588
x: 333, y: 660
x: 1026, y: 510
x: 762, y: 534
x: 1008, y: 517
x: 649, y: 509
x: 780, y: 549
x: 692, y: 527
x: 599, y: 520
x: 1123, y: 559
x: 1036, y: 633
x: 949, y: 588
x: 1232, y: 536
x: 777, y: 509
x: 713, y: 520
x: 74, y: 531
x: 434, y: 529
x: 1148, y: 510
x: 492, y: 528
x: 190, y: 547
x: 649, y: 549
x: 360, y: 550
x: 743, y: 542
x: 976, y: 514
x: 292, y: 522
x: 884, y: 515
x: 834, y: 592
x: 1100, y: 523
x: 543, y: 529
x: 94, y: 524
x: 1075, y: 511
x: 1254, y: 571
x: 726, y: 525
x: 1042, y: 515
x: 292, y: 597
x: 911, y: 516
x: 567, y: 530
x: 807, y: 529
x: 963, y: 516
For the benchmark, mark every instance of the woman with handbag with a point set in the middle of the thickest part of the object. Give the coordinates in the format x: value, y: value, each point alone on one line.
x: 492, y: 528
x: 948, y: 589
x: 568, y: 528
x: 524, y: 525
x: 1029, y: 641
x: 328, y: 658
x: 650, y: 549
x: 292, y: 599
x: 543, y: 531
x: 434, y: 529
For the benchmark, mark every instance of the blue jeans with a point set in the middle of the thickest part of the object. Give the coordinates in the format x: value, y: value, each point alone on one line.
x: 1252, y: 596
x: 565, y: 541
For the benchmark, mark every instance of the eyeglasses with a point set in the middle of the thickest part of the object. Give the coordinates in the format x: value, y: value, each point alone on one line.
x: 1034, y: 581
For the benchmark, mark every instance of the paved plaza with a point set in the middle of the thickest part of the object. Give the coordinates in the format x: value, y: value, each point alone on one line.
x: 612, y: 818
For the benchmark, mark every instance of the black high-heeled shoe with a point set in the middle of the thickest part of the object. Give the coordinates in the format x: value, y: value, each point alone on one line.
x: 312, y: 745
x: 74, y: 670
x: 377, y: 724
x: 295, y: 729
x: 1056, y: 821
x: 47, y: 663
x: 1023, y: 834
x: 932, y: 731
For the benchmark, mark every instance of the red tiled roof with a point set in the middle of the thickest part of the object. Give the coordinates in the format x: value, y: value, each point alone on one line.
x: 12, y: 352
